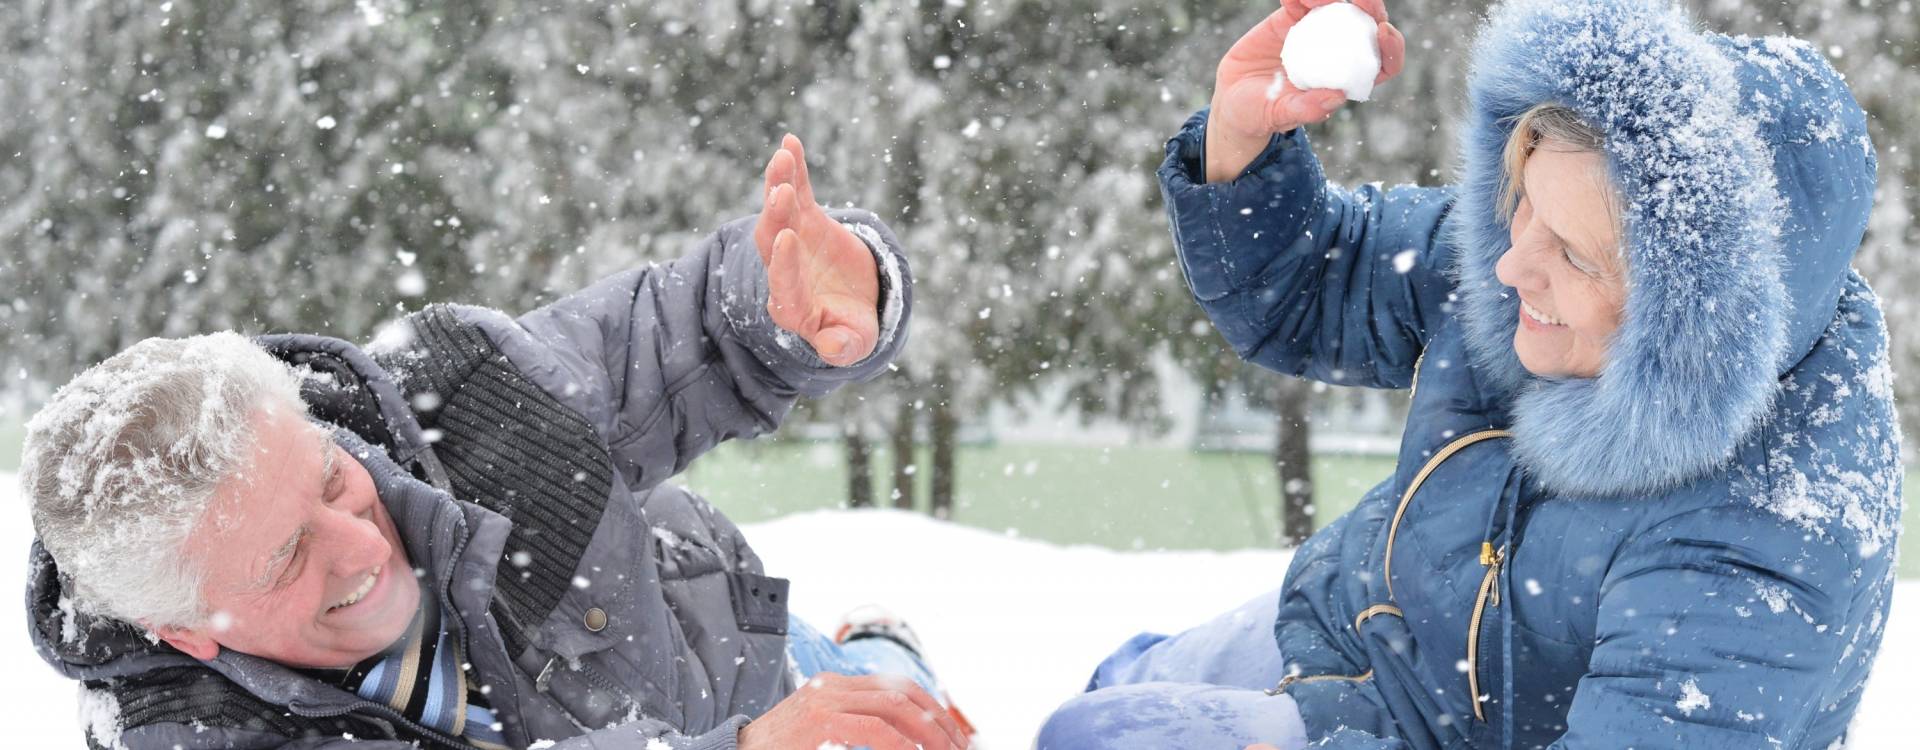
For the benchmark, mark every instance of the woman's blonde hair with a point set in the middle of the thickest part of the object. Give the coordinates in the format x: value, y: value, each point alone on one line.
x: 1548, y: 122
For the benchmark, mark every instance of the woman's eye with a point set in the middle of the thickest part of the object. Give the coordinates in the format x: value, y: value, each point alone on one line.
x: 1575, y: 262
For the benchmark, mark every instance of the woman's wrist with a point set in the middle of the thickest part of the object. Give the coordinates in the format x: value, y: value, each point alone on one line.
x: 1227, y: 152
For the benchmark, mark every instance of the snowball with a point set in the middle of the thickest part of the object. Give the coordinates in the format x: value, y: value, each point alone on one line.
x: 1334, y: 47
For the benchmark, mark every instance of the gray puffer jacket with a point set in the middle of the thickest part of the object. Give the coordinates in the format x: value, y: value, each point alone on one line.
x: 523, y: 461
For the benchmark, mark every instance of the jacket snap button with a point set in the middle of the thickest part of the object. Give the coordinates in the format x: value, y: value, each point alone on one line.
x: 596, y: 619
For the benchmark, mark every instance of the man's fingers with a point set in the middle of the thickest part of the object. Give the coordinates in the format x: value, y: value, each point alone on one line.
x: 791, y: 144
x: 774, y: 216
x: 836, y: 346
x: 941, y: 717
x: 856, y: 730
x: 914, y: 693
x: 904, y: 715
x: 779, y: 168
x: 847, y: 329
x: 785, y: 281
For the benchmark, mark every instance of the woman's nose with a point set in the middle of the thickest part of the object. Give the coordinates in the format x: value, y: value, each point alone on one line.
x: 1519, y: 266
x: 1513, y: 270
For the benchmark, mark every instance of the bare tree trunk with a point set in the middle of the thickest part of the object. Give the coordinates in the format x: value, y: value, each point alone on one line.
x: 903, y: 455
x: 859, y: 468
x: 1293, y: 462
x: 943, y: 428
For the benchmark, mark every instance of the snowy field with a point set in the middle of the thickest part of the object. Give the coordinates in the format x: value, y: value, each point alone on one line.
x: 1013, y: 626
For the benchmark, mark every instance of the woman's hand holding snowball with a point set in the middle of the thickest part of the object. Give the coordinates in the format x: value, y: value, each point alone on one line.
x: 1253, y: 98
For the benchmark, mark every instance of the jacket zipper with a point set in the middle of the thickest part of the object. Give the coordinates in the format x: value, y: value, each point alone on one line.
x: 1393, y: 531
x: 1492, y: 558
x: 396, y: 717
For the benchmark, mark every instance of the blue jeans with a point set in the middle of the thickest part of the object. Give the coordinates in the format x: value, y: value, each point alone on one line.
x: 809, y: 653
x: 1202, y: 689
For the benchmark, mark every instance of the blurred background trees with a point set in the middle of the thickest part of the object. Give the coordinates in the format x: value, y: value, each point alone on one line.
x: 327, y: 165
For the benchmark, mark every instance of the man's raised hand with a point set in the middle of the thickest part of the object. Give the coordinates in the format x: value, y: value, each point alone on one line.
x: 881, y: 712
x: 822, y: 281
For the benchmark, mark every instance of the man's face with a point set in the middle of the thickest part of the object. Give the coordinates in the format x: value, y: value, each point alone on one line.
x: 303, y: 565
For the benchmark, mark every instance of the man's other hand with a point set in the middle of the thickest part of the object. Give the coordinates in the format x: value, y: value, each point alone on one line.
x: 881, y: 712
x: 822, y: 282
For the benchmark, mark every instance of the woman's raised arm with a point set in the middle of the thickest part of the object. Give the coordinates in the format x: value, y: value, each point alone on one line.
x: 1298, y: 275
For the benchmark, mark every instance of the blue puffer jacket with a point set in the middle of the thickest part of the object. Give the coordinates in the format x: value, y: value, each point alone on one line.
x: 1694, y: 549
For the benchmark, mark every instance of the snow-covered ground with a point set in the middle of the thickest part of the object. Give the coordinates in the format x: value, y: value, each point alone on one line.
x: 1013, y: 626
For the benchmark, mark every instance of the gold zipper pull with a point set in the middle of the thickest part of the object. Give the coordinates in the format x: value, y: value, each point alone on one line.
x: 1491, y: 557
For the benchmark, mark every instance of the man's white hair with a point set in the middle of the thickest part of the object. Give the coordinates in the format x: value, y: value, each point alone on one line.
x: 125, y: 460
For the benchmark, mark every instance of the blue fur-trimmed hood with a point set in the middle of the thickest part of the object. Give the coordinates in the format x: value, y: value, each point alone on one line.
x: 1747, y: 176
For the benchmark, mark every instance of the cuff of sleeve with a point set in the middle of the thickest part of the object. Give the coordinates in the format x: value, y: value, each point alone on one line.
x: 1217, y: 227
x: 892, y: 308
x: 723, y: 737
x: 787, y: 357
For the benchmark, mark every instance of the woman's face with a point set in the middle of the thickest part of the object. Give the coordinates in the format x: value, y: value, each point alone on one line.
x: 1565, y: 263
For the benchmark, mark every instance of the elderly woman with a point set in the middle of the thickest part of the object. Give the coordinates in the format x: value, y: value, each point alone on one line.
x: 1649, y: 489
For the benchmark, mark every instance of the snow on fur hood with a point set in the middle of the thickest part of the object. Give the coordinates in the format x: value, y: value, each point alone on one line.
x: 1747, y: 177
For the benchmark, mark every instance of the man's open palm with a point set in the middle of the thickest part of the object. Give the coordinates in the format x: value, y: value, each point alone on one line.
x: 822, y: 282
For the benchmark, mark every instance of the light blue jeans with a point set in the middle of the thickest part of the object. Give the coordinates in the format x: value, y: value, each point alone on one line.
x: 809, y: 653
x: 1202, y: 689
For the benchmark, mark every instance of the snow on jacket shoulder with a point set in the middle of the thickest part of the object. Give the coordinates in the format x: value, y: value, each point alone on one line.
x: 1692, y: 549
x: 520, y: 459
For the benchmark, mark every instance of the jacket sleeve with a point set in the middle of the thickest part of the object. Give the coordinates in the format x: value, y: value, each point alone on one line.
x: 1708, y: 636
x: 669, y: 360
x: 1305, y: 277
x: 646, y: 734
x: 178, y: 736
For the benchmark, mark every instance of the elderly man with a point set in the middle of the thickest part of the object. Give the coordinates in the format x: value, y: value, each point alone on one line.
x: 460, y: 537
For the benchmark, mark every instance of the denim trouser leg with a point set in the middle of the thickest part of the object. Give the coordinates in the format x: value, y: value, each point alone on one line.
x: 1204, y: 688
x: 810, y: 653
x: 1235, y: 649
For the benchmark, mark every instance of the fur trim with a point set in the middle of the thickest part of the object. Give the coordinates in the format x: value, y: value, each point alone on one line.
x: 1694, y: 366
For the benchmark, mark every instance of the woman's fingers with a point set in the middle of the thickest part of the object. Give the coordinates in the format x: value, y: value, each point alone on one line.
x: 1375, y: 8
x: 1393, y: 53
x: 1309, y: 106
x: 1259, y: 48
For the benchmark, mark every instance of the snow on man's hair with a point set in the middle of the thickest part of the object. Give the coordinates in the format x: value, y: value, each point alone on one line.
x: 125, y: 459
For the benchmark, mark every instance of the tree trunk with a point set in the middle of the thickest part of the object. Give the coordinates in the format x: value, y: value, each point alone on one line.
x: 943, y: 428
x: 903, y: 455
x: 859, y: 469
x: 1293, y: 462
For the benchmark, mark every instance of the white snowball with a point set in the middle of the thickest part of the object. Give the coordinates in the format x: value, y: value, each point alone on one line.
x: 1334, y: 47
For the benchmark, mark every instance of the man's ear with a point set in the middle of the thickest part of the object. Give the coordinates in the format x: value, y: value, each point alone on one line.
x: 191, y: 641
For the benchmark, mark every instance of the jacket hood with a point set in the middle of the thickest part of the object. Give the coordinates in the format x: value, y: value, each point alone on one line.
x: 343, y: 387
x: 1746, y: 176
